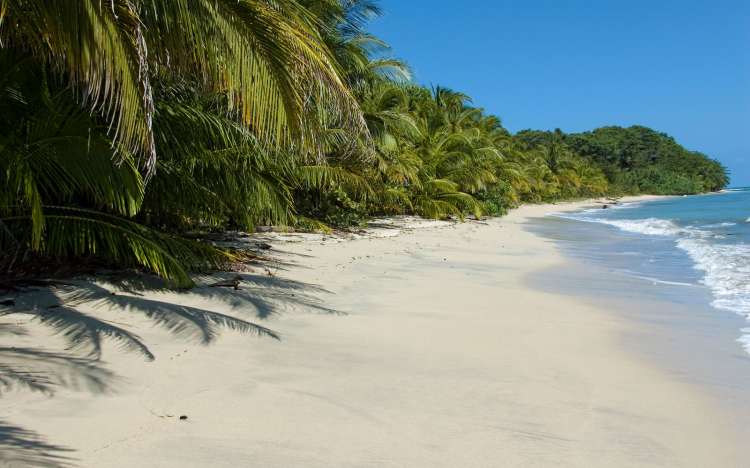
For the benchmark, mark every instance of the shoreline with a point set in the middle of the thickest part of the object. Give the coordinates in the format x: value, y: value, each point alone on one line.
x: 674, y: 325
x: 445, y: 357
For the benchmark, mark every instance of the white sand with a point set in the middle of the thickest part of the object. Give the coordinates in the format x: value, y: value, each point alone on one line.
x: 445, y: 358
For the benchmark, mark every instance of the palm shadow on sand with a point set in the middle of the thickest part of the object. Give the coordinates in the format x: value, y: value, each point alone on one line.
x: 44, y: 372
x: 75, y: 311
x: 72, y: 309
x: 21, y: 447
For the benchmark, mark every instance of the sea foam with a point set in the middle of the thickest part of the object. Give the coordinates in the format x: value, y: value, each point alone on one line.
x: 649, y: 226
x: 726, y: 270
x: 719, y: 225
x: 725, y: 267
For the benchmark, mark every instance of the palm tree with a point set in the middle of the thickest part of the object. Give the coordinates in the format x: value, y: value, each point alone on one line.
x: 266, y: 56
x: 64, y: 197
x: 231, y: 93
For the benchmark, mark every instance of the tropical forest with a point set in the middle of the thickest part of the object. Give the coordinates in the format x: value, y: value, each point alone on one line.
x: 133, y: 130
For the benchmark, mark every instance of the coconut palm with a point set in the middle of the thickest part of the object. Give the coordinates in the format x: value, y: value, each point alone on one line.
x: 233, y: 94
x: 63, y: 196
x: 267, y: 57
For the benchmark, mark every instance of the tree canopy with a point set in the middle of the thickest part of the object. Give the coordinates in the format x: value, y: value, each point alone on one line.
x: 130, y: 129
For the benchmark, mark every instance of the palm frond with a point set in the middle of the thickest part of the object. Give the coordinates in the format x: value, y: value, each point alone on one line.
x: 76, y: 232
x: 322, y: 177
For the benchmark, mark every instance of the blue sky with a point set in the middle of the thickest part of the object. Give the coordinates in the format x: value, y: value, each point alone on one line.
x: 682, y: 67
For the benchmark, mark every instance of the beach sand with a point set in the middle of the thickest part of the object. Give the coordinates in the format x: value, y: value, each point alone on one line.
x: 422, y: 349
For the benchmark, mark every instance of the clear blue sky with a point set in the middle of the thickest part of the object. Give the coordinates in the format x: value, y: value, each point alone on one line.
x: 682, y: 67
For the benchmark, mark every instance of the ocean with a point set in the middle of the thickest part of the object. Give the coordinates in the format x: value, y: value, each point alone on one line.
x: 697, y: 247
x: 674, y: 275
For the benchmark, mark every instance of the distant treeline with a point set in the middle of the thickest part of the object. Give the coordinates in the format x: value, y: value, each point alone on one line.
x: 129, y: 130
x: 639, y: 160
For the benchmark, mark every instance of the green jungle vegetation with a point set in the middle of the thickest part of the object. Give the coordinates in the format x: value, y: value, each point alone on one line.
x: 131, y: 129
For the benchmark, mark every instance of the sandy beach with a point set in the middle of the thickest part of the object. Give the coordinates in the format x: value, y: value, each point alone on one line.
x: 422, y: 347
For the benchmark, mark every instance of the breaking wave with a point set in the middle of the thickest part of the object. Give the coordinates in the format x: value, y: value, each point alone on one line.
x: 725, y: 267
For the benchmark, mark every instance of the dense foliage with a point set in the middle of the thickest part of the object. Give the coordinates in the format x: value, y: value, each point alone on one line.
x: 132, y: 127
x: 639, y: 160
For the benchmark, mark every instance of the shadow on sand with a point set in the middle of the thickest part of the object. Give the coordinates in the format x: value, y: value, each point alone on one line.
x: 43, y: 371
x: 75, y: 311
x: 21, y: 447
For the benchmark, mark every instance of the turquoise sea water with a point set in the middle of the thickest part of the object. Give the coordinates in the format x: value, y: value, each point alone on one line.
x: 697, y: 247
